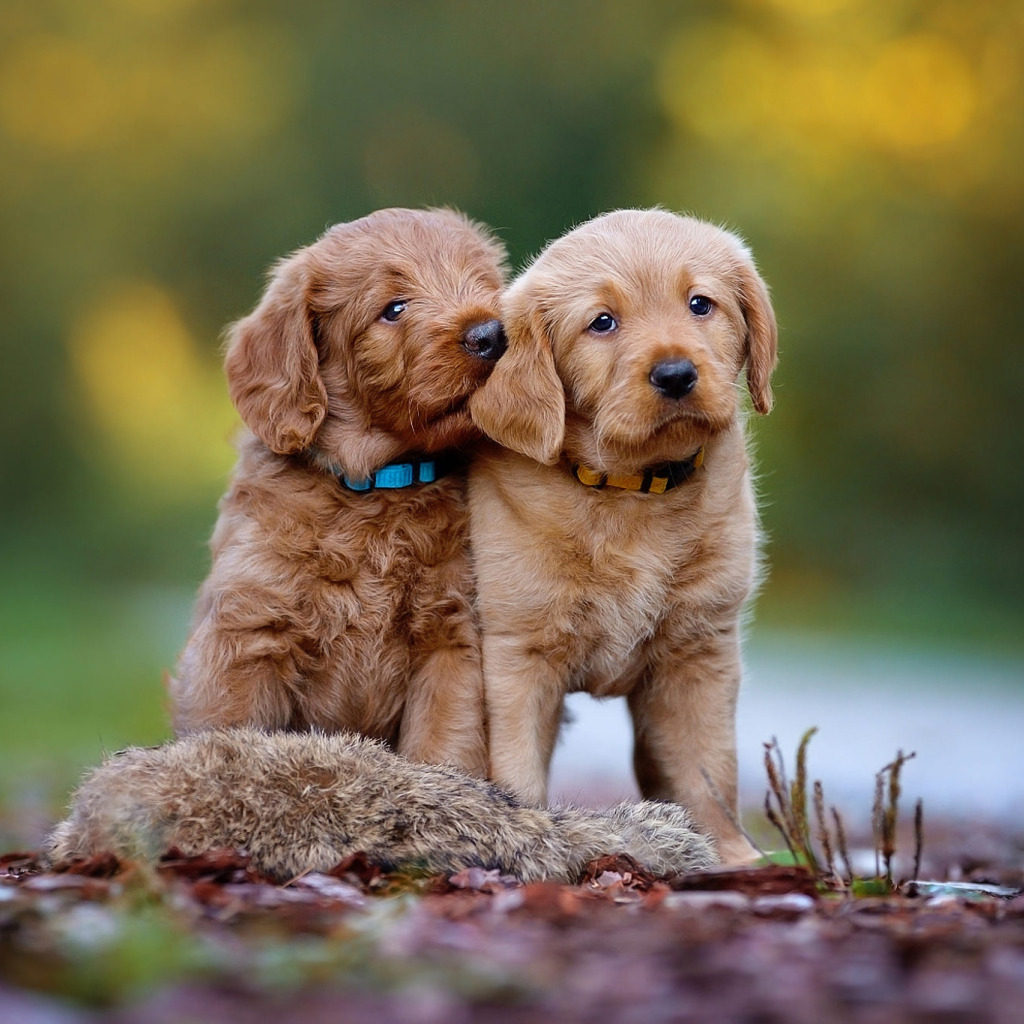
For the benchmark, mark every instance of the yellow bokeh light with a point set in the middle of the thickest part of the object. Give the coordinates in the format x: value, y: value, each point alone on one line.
x: 809, y: 8
x: 159, y: 410
x: 153, y: 9
x: 920, y: 91
x: 53, y: 93
x: 819, y: 100
x: 160, y: 101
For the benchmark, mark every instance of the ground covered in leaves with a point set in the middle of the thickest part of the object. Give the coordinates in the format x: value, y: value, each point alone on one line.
x: 208, y: 939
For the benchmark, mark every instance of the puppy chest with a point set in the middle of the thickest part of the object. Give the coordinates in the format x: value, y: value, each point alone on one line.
x: 379, y: 575
x: 592, y: 601
x: 394, y: 534
x: 600, y: 615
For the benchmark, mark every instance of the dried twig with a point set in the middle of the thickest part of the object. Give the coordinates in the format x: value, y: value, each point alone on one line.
x: 888, y: 812
x: 786, y: 819
x: 776, y: 772
x: 775, y: 822
x: 823, y: 836
x: 790, y: 816
x: 786, y: 808
x: 877, y: 816
x: 918, y: 836
x: 727, y: 810
x: 798, y: 800
x: 844, y: 853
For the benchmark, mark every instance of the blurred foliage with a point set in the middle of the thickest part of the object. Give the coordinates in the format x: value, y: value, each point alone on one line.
x: 872, y: 152
x: 156, y: 156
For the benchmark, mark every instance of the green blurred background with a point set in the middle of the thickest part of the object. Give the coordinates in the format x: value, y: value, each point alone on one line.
x: 157, y: 155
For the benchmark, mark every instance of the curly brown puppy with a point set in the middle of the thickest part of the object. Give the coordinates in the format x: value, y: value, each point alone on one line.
x: 300, y: 803
x: 340, y: 595
x: 616, y: 545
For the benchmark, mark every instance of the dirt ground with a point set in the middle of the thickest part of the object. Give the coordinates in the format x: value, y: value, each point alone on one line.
x: 205, y: 939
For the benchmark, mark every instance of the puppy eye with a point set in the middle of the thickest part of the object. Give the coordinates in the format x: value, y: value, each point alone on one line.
x: 393, y: 310
x: 603, y: 323
x: 701, y: 305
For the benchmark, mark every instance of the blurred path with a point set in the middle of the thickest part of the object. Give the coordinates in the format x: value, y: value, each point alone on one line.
x: 962, y: 714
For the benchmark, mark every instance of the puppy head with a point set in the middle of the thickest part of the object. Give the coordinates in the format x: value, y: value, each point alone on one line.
x: 369, y: 342
x: 625, y: 339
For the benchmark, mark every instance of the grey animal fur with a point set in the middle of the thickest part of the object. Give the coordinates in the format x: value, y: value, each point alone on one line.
x: 301, y: 802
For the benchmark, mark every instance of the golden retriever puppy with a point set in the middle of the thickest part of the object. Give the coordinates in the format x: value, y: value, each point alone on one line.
x: 300, y: 803
x: 616, y: 542
x: 341, y: 592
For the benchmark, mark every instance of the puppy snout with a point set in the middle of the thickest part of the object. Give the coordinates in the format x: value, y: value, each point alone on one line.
x: 486, y: 339
x: 674, y: 378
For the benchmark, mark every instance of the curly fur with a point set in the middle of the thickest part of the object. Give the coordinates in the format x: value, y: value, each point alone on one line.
x: 617, y: 592
x: 304, y: 802
x: 325, y: 607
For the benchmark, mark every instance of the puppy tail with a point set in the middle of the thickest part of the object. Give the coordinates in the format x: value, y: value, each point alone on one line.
x: 660, y: 836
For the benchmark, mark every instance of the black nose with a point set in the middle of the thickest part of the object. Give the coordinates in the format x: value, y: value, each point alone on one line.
x: 674, y: 378
x: 486, y: 339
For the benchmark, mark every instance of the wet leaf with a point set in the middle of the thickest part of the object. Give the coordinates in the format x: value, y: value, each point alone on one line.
x: 481, y: 880
x: 772, y: 880
x: 962, y: 890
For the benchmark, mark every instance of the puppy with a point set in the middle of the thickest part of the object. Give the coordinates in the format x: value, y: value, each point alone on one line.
x: 302, y: 803
x: 340, y: 594
x: 615, y: 543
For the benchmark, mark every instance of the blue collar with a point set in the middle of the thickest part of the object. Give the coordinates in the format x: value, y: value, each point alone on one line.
x: 397, y: 474
x: 410, y: 471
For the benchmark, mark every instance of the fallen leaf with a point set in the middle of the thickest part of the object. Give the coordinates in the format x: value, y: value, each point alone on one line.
x: 358, y: 869
x: 214, y: 865
x: 621, y: 864
x: 334, y: 889
x: 100, y: 865
x: 483, y: 880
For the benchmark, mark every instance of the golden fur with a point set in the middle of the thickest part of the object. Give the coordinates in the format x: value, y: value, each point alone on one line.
x: 329, y: 608
x: 612, y: 591
x: 300, y: 803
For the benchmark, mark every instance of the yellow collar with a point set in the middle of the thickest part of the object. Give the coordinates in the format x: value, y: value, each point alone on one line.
x: 656, y: 480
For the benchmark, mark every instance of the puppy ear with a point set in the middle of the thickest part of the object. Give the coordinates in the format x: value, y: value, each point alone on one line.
x: 522, y: 405
x: 762, y: 347
x: 272, y: 365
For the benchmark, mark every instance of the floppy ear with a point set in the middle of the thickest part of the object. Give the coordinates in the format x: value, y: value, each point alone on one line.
x: 522, y: 405
x: 272, y: 364
x: 762, y: 348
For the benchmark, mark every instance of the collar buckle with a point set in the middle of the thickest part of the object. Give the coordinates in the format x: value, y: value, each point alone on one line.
x: 394, y: 476
x: 656, y: 480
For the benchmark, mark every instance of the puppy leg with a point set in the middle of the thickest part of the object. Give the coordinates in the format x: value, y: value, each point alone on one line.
x: 232, y: 677
x: 684, y: 719
x: 524, y: 698
x: 443, y: 720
